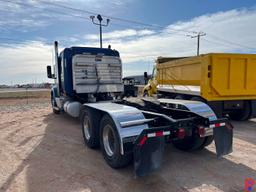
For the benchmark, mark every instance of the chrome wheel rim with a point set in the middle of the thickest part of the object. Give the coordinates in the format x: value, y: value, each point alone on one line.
x: 87, y: 128
x: 108, y: 140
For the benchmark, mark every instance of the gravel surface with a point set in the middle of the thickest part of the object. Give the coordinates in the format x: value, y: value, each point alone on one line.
x: 40, y: 151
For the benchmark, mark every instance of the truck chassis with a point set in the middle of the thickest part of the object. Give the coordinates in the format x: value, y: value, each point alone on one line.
x: 139, y: 128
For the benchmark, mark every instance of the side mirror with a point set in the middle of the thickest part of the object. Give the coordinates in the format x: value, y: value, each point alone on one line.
x: 49, y: 72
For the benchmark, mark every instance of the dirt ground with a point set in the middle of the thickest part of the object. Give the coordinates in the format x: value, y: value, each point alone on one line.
x: 40, y: 151
x: 20, y: 93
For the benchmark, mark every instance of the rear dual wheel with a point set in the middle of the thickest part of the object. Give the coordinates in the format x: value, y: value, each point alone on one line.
x: 102, y: 131
x: 195, y: 142
x: 90, y: 127
x: 110, y: 144
x: 205, y: 141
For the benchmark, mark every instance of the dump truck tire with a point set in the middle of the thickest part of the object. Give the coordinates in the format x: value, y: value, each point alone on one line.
x: 90, y: 127
x: 242, y: 115
x: 110, y: 144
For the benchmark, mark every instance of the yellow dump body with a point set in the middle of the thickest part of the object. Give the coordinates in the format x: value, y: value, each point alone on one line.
x: 218, y: 76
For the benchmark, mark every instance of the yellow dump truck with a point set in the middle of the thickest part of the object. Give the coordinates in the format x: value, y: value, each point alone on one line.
x: 227, y: 82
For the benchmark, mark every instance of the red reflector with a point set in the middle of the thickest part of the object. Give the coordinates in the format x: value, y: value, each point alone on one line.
x: 181, y: 133
x: 143, y: 140
x: 201, y: 131
x: 159, y: 133
x: 217, y: 125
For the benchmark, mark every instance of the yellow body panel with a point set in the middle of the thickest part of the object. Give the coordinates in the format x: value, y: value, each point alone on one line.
x: 220, y: 76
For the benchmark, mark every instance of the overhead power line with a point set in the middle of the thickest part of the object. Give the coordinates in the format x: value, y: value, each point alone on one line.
x: 139, y: 23
x: 222, y: 40
x: 89, y: 12
x: 219, y: 43
x: 45, y: 9
x: 57, y: 11
x: 115, y: 18
x: 80, y: 17
x: 230, y: 42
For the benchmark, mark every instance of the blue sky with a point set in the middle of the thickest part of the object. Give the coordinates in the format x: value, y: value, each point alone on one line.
x: 28, y: 28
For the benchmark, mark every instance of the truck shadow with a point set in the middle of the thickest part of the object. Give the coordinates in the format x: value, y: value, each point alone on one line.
x: 245, y: 130
x: 61, y: 162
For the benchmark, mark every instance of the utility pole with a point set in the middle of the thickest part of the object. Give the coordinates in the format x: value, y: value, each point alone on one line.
x: 200, y: 34
x: 100, y: 24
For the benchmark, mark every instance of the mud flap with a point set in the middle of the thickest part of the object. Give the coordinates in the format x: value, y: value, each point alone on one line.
x: 223, y: 138
x: 148, y: 153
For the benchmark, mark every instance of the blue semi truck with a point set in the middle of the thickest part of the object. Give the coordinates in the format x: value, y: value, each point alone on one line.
x: 88, y: 85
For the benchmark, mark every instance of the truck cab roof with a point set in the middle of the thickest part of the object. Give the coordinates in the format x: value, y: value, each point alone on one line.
x: 90, y: 51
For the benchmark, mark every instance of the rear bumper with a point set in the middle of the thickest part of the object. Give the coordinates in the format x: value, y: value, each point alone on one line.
x: 149, y: 145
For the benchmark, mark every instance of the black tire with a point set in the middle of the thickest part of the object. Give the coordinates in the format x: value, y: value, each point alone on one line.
x: 115, y: 160
x: 208, y: 140
x: 189, y: 144
x: 244, y: 114
x: 55, y: 111
x: 54, y: 105
x: 90, y: 127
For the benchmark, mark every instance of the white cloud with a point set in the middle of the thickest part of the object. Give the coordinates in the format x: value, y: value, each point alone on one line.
x: 25, y: 15
x: 27, y: 60
x: 231, y: 31
x: 114, y: 35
